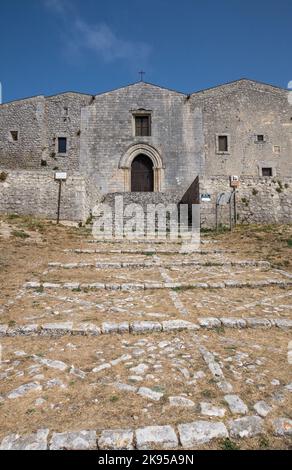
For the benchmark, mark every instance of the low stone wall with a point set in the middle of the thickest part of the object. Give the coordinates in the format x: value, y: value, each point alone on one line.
x: 36, y: 193
x: 259, y: 200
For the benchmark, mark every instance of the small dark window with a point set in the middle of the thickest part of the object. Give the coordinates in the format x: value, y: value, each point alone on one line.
x: 14, y: 136
x: 142, y: 125
x: 62, y: 145
x: 222, y: 143
x: 260, y: 138
x: 267, y: 172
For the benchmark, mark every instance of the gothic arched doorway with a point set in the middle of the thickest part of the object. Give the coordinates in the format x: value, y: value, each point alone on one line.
x: 142, y: 179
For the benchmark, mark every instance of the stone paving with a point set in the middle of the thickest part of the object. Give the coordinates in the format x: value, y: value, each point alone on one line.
x: 143, y: 346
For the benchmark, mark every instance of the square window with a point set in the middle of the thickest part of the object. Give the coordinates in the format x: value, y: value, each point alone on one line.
x: 267, y: 172
x: 14, y: 136
x: 62, y: 145
x: 260, y: 138
x: 142, y: 125
x: 277, y: 149
x: 222, y: 143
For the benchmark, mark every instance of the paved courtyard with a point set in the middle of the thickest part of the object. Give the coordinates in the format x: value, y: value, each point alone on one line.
x: 139, y: 345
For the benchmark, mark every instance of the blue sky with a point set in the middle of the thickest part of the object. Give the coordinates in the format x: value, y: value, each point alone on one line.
x: 50, y: 46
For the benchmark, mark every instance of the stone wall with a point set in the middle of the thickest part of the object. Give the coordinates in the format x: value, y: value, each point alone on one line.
x: 107, y: 134
x: 39, y: 122
x: 242, y: 110
x: 27, y: 118
x: 36, y: 193
x: 259, y: 200
x: 63, y: 119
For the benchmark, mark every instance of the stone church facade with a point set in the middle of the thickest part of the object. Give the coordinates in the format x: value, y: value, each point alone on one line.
x: 150, y: 144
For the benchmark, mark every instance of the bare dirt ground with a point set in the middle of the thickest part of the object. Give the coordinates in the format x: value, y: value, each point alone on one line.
x: 125, y: 380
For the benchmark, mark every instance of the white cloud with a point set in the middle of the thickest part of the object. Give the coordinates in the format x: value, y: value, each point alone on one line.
x: 80, y: 36
x: 104, y: 42
x: 57, y: 6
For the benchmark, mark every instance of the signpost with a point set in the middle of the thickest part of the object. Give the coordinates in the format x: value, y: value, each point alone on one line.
x: 60, y: 176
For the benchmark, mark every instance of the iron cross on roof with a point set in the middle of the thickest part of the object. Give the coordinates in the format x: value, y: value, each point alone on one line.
x: 141, y: 73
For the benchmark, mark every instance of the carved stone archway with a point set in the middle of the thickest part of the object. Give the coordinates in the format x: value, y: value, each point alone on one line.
x: 145, y: 149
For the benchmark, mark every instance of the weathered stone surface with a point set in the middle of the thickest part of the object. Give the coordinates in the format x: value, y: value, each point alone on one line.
x: 232, y: 283
x: 32, y: 285
x: 210, y: 410
x: 86, y: 329
x: 181, y: 402
x: 71, y: 285
x: 154, y: 285
x: 54, y: 383
x: 23, y: 330
x: 283, y: 323
x: 132, y: 286
x: 123, y: 358
x: 224, y: 386
x: 126, y: 387
x: 258, y: 323
x: 51, y: 285
x: 113, y: 286
x: 139, y: 369
x: 101, y: 367
x: 212, y: 363
x: 216, y: 285
x: 77, y: 372
x: 282, y: 427
x: 275, y: 382
x: 262, y: 408
x: 178, y: 325
x: 24, y: 390
x: 145, y: 326
x: 209, y: 322
x: 151, y: 394
x: 200, y: 432
x: 108, y: 328
x: 93, y: 286
x: 233, y: 322
x: 37, y: 441
x: 119, y: 439
x: 248, y: 426
x: 3, y: 330
x: 59, y: 365
x: 79, y: 440
x: 236, y: 405
x: 156, y: 437
x: 56, y: 329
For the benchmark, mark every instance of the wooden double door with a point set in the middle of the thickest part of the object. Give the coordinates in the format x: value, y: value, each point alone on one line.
x: 142, y: 179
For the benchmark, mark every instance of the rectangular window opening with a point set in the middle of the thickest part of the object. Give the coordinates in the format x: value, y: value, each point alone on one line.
x: 222, y: 143
x: 267, y: 172
x: 260, y: 138
x: 142, y: 126
x: 14, y: 135
x: 62, y: 145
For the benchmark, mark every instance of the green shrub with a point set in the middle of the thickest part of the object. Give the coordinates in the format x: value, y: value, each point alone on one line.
x: 227, y: 444
x: 20, y: 234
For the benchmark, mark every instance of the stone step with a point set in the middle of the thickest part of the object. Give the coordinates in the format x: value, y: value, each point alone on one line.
x: 76, y: 286
x: 151, y: 264
x: 146, y: 240
x: 184, y: 435
x: 59, y: 329
x: 146, y: 251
